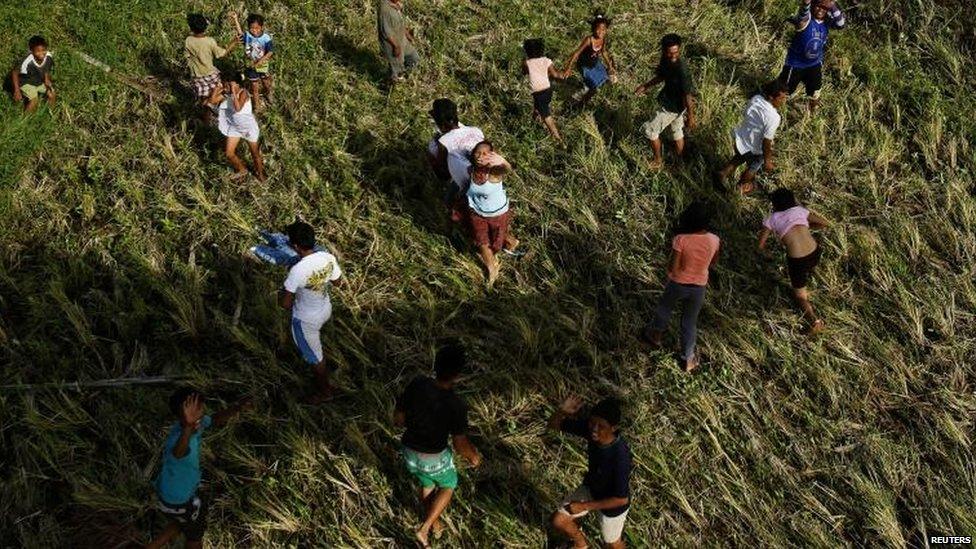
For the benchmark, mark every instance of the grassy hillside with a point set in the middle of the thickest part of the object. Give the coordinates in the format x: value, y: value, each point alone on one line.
x: 121, y: 243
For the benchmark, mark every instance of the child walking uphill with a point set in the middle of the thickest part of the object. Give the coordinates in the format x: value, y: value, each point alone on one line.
x: 540, y: 69
x: 200, y: 51
x: 33, y: 78
x: 694, y: 252
x: 236, y: 121
x: 753, y: 137
x: 488, y: 210
x: 595, y: 63
x: 179, y: 477
x: 258, y: 50
x: 792, y: 222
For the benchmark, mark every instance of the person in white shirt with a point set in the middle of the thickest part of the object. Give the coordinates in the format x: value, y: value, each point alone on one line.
x: 754, y: 136
x: 306, y: 295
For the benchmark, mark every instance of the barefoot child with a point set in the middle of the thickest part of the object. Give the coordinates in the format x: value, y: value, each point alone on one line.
x: 179, y: 476
x: 236, y: 121
x: 694, y: 252
x: 804, y: 58
x: 432, y: 413
x: 753, y: 137
x: 792, y: 223
x: 539, y: 68
x: 676, y: 100
x: 595, y: 63
x: 396, y: 39
x: 258, y: 50
x: 33, y: 78
x: 200, y: 51
x: 306, y: 294
x: 488, y: 209
x: 606, y: 487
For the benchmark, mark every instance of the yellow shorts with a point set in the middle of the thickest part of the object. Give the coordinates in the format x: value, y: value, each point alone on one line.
x: 31, y: 91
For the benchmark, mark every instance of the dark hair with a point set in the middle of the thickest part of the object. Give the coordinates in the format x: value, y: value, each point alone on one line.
x: 197, y: 22
x: 231, y: 76
x: 773, y: 88
x: 255, y: 18
x: 450, y: 361
x: 696, y: 217
x: 608, y: 409
x: 669, y: 40
x: 534, y: 48
x: 598, y: 18
x: 178, y: 397
x: 301, y: 234
x: 36, y: 40
x: 782, y: 199
x: 487, y: 143
x: 444, y: 112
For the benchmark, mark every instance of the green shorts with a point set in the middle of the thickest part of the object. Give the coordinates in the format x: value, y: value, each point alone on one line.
x: 31, y: 91
x: 431, y: 469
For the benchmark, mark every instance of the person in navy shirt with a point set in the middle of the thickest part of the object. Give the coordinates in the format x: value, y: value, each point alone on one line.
x: 804, y: 59
x: 179, y: 476
x: 606, y: 486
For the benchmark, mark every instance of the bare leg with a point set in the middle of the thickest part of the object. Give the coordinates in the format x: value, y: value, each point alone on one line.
x: 51, y: 98
x: 256, y: 94
x: 566, y: 525
x: 658, y: 160
x: 511, y: 242
x: 322, y: 383
x: 679, y: 146
x: 813, y: 104
x: 490, y: 263
x: 171, y: 531
x: 267, y: 85
x: 32, y: 105
x: 441, y: 499
x: 619, y: 544
x: 231, y: 151
x: 803, y: 300
x: 426, y: 500
x: 550, y: 123
x: 257, y: 158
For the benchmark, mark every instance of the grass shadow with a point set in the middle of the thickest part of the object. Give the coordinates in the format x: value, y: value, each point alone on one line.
x: 367, y: 62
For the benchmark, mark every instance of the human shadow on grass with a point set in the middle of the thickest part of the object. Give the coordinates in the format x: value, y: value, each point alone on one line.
x: 367, y: 62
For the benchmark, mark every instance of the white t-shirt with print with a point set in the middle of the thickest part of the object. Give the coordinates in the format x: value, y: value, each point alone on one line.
x: 459, y: 143
x: 309, y: 280
x: 759, y: 121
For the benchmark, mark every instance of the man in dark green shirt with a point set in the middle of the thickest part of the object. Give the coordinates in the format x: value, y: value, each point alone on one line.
x: 396, y: 40
x: 676, y: 99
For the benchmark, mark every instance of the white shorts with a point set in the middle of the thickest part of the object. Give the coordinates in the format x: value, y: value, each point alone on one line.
x: 663, y: 119
x: 248, y: 129
x: 611, y: 528
x: 308, y: 338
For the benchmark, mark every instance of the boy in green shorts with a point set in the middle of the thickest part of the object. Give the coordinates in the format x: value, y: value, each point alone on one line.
x: 33, y: 78
x: 432, y: 413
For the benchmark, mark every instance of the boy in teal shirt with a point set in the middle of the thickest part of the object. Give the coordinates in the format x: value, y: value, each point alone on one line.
x: 179, y: 476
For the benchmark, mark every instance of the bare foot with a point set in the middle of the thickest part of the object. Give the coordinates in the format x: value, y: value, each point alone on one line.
x: 746, y: 188
x: 512, y: 244
x: 438, y: 529
x: 655, y: 164
x: 691, y: 364
x: 238, y: 175
x: 422, y: 538
x: 815, y: 328
x: 493, y: 272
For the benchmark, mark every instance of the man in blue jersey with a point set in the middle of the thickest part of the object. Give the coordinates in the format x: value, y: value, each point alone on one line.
x: 804, y: 59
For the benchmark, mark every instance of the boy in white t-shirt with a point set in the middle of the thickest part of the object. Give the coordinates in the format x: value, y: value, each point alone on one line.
x: 753, y: 137
x: 306, y: 294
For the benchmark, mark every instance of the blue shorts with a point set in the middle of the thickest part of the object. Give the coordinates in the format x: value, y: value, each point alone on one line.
x: 254, y: 75
x: 595, y: 76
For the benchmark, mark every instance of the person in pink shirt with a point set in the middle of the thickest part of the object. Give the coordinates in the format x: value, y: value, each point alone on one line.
x: 792, y: 223
x: 694, y: 252
x: 540, y: 69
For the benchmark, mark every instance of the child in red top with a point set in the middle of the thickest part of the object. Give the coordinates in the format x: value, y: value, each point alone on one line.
x: 694, y: 251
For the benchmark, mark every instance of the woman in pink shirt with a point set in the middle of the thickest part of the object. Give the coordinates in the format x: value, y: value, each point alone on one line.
x: 792, y: 222
x: 694, y: 251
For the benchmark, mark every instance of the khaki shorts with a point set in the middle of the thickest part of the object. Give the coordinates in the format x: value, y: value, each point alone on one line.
x: 31, y: 91
x: 611, y: 528
x: 662, y: 120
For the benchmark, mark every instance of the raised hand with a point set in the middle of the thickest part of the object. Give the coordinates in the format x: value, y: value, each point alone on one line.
x: 192, y: 412
x: 571, y: 405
